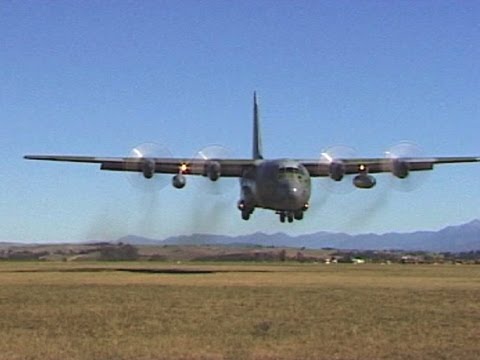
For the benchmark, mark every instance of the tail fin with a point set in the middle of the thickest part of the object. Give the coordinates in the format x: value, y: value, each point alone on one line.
x: 257, y: 140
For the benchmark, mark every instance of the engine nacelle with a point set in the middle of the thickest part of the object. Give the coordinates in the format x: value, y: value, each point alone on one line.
x: 364, y: 181
x: 148, y: 168
x: 213, y: 170
x: 400, y: 168
x: 336, y: 170
x: 179, y: 181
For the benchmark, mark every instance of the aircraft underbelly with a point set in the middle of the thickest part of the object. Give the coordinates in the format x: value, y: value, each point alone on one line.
x: 283, y: 196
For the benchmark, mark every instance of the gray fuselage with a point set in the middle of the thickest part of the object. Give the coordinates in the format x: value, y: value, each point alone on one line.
x: 281, y: 185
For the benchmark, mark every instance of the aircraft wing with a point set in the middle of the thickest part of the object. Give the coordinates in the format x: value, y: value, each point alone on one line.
x: 236, y: 167
x: 379, y: 165
x: 229, y: 167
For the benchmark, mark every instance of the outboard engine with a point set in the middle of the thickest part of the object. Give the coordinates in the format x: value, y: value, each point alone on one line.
x: 148, y: 168
x: 400, y: 168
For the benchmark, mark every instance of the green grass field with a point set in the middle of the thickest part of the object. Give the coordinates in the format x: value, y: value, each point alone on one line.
x: 146, y: 311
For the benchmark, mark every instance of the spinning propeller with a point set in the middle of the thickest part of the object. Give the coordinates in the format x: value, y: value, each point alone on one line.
x: 143, y: 157
x: 212, y: 182
x: 336, y: 182
x: 403, y: 179
x: 141, y: 169
x: 398, y: 165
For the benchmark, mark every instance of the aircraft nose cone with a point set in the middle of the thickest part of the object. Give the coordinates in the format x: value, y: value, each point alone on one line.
x: 293, y: 195
x: 293, y: 192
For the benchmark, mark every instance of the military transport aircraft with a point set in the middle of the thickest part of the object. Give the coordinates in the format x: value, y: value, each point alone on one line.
x: 281, y: 185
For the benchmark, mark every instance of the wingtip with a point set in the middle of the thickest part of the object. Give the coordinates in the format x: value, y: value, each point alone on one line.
x: 34, y: 157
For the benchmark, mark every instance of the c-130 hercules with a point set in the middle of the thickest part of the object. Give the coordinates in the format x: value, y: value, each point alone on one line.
x: 281, y: 185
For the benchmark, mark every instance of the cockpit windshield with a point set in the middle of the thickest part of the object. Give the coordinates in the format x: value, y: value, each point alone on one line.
x: 288, y: 172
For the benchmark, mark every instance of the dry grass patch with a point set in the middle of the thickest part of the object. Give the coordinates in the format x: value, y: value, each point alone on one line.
x: 239, y: 312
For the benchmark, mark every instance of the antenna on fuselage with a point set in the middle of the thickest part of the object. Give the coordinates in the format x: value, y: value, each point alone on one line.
x: 257, y: 140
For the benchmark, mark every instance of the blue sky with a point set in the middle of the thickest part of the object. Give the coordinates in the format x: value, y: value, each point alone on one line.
x: 98, y: 78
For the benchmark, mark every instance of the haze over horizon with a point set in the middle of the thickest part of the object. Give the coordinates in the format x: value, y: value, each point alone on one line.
x: 99, y: 78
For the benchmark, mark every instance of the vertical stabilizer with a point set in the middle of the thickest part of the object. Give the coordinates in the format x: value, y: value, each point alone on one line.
x: 257, y: 140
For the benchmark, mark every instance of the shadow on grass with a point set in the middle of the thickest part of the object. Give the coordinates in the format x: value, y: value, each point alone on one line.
x: 180, y: 271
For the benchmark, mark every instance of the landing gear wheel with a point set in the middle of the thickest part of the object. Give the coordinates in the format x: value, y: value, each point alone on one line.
x: 290, y: 218
x: 298, y: 215
x: 282, y: 217
x: 245, y: 215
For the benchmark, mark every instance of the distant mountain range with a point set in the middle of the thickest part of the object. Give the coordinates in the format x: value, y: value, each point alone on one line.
x: 459, y: 238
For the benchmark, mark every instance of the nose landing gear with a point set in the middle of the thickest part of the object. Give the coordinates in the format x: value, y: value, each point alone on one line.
x: 285, y: 215
x: 247, y: 209
x: 288, y: 215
